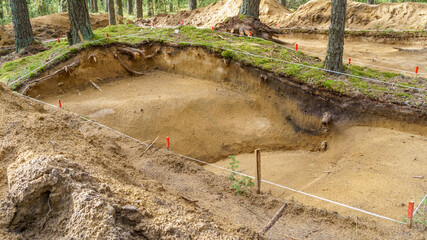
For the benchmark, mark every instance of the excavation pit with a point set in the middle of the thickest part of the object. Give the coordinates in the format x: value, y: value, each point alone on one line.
x: 211, y: 108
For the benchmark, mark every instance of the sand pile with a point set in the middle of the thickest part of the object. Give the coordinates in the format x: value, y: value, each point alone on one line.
x: 314, y: 14
x: 209, y: 16
x: 51, y: 26
x: 398, y: 16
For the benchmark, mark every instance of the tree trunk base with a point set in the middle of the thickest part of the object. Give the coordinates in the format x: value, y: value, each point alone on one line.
x: 243, y: 25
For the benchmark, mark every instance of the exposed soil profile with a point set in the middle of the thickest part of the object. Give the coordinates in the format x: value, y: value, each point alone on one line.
x: 210, y: 107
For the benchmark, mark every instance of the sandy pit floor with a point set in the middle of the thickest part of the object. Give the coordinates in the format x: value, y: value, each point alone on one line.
x: 367, y: 54
x: 368, y: 168
x: 201, y: 118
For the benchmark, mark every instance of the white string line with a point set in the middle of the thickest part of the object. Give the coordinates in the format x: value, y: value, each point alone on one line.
x: 419, y: 204
x: 347, y: 29
x: 326, y: 70
x: 200, y: 161
x: 84, y: 118
x: 294, y: 190
x: 55, y: 58
x: 280, y: 60
x: 321, y: 55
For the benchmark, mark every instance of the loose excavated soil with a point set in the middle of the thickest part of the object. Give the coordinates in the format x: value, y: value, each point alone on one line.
x: 314, y: 14
x: 51, y: 27
x: 360, y: 16
x: 209, y: 16
x: 62, y: 177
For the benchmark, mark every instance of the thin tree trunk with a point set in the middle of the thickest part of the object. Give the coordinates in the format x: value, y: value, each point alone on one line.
x: 106, y: 5
x: 283, y: 2
x: 79, y: 21
x: 119, y: 7
x: 192, y: 4
x: 111, y: 12
x: 250, y: 8
x: 1, y: 12
x: 335, y: 50
x: 149, y: 8
x: 21, y: 24
x: 130, y: 7
x: 170, y: 7
x: 138, y: 8
x: 370, y: 2
x: 62, y: 5
x: 96, y: 9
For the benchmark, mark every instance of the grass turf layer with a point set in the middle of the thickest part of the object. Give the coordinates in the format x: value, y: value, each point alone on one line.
x: 257, y: 52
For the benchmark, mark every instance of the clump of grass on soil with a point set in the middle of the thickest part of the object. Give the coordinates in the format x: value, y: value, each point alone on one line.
x: 257, y: 52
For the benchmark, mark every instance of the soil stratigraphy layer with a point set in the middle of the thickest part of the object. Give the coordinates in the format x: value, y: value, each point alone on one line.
x: 203, y: 119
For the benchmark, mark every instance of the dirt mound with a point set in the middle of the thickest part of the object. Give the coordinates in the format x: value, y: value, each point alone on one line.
x: 209, y: 16
x: 63, y: 178
x: 246, y: 26
x: 51, y: 26
x: 398, y: 16
x: 314, y: 14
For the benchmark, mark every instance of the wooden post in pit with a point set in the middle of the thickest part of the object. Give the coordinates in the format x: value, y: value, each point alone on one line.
x: 258, y: 170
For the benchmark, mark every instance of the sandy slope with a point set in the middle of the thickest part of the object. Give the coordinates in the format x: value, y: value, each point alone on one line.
x: 314, y: 14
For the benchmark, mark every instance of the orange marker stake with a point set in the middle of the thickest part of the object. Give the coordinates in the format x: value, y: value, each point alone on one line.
x: 296, y: 47
x: 182, y: 23
x: 416, y: 70
x: 59, y: 41
x: 251, y: 33
x: 410, y: 212
x: 349, y: 61
x: 212, y: 28
x: 107, y: 36
x: 59, y: 101
x: 167, y: 142
x: 152, y: 24
x: 418, y: 28
x: 128, y: 21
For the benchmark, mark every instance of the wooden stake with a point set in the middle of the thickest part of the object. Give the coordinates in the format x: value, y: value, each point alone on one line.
x: 274, y: 219
x: 81, y: 36
x: 258, y: 170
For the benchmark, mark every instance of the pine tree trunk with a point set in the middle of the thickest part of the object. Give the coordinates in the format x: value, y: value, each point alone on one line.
x: 170, y: 7
x: 119, y: 7
x: 138, y: 8
x: 370, y: 1
x: 79, y: 21
x: 250, y: 8
x: 111, y: 12
x: 130, y: 7
x: 149, y: 8
x: 283, y: 2
x: 92, y: 5
x: 21, y: 24
x: 96, y: 9
x: 192, y: 4
x: 335, y: 50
